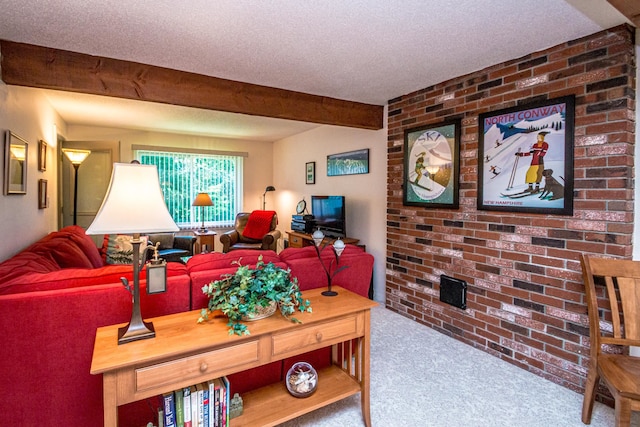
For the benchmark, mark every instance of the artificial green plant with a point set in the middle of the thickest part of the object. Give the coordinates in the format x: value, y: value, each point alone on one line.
x: 238, y: 295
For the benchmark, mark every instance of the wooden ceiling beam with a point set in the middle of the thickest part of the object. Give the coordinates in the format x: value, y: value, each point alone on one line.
x: 47, y: 68
x: 630, y: 9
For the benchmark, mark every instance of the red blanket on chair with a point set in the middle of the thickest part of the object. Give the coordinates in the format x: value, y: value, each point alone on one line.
x: 258, y: 224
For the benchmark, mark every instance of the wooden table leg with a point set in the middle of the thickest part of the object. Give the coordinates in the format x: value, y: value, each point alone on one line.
x: 109, y: 400
x: 366, y: 364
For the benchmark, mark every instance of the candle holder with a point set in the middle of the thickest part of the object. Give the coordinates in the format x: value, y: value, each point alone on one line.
x: 338, y: 247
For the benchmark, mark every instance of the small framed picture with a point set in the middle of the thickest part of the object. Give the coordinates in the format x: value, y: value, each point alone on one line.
x: 43, y: 197
x: 310, y: 173
x: 42, y: 155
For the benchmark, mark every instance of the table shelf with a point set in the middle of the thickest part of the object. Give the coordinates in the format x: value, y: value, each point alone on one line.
x: 273, y: 404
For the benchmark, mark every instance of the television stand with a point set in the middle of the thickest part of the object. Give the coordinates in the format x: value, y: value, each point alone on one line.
x: 298, y: 239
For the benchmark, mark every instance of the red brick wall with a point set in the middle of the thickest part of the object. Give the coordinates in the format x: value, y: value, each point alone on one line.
x: 525, y: 297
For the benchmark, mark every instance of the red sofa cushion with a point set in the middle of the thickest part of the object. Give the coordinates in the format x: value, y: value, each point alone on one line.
x: 78, y: 277
x: 217, y: 260
x: 70, y: 248
x: 24, y: 263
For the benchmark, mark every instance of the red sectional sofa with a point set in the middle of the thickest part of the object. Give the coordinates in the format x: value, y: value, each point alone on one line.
x: 57, y: 292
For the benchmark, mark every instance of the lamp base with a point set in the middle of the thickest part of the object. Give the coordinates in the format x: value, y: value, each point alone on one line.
x: 135, y: 332
x: 202, y: 230
x: 329, y: 293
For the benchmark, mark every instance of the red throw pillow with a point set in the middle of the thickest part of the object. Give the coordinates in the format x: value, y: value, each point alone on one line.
x: 258, y: 224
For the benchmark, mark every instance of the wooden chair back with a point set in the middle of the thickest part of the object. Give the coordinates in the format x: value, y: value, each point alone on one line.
x: 621, y: 298
x: 614, y: 320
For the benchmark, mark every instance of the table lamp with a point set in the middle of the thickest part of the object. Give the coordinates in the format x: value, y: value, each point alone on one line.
x: 202, y: 200
x: 134, y: 204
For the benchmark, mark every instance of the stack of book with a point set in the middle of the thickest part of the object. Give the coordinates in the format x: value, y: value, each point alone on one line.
x: 201, y: 405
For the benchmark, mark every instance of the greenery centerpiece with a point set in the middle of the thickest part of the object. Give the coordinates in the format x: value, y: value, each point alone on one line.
x: 251, y: 290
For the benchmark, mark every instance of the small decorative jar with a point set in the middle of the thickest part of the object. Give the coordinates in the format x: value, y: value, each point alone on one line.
x: 301, y: 380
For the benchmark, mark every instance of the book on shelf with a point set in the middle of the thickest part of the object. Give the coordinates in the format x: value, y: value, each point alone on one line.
x: 212, y: 399
x: 179, y: 399
x: 217, y: 386
x: 169, y: 407
x: 206, y: 408
x: 199, y: 404
x: 225, y: 402
x: 186, y: 391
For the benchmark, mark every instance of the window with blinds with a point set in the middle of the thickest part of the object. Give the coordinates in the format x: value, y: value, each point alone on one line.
x: 185, y: 174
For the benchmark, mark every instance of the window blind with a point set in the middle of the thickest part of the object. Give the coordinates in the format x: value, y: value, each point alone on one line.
x: 185, y: 174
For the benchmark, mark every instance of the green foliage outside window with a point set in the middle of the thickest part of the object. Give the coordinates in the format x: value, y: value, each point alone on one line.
x: 184, y: 175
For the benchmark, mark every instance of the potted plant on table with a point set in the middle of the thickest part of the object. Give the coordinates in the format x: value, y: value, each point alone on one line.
x: 252, y: 294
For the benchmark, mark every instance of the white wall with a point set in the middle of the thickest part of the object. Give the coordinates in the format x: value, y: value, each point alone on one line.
x: 365, y: 195
x: 27, y: 113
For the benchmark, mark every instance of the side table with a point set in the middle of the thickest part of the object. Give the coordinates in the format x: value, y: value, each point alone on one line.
x: 205, y: 240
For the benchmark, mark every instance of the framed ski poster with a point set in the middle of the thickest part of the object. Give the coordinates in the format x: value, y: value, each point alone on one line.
x: 432, y: 165
x: 525, y: 158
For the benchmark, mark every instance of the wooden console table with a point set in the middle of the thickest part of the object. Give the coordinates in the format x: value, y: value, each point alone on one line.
x: 184, y: 353
x: 298, y: 239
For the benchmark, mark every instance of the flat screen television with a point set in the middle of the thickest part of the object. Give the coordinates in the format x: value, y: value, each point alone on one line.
x: 329, y: 215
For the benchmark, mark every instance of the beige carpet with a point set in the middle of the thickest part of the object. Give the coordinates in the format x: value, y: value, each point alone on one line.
x: 420, y: 377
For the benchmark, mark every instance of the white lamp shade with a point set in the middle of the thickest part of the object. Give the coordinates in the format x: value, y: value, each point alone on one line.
x: 134, y: 203
x: 76, y: 156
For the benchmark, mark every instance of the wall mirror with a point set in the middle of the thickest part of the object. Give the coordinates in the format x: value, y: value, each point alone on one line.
x: 16, y: 153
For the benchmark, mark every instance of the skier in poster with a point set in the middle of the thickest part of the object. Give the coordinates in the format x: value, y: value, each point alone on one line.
x: 537, y: 152
x: 419, y: 167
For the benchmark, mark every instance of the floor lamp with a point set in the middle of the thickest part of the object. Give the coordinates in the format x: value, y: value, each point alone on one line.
x: 76, y: 157
x: 264, y: 200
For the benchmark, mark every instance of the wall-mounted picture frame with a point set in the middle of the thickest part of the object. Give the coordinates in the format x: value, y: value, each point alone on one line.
x: 310, y: 173
x: 525, y: 158
x: 16, y: 159
x: 43, y: 196
x: 349, y: 163
x: 42, y: 155
x: 432, y: 165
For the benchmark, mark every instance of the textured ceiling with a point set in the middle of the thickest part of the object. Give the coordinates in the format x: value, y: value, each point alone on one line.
x: 360, y: 50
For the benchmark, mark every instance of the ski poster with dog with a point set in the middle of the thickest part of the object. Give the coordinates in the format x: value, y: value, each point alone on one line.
x: 525, y: 158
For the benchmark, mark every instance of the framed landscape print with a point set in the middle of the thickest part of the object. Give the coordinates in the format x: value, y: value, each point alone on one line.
x: 351, y: 163
x: 432, y: 165
x: 525, y: 158
x: 16, y: 156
